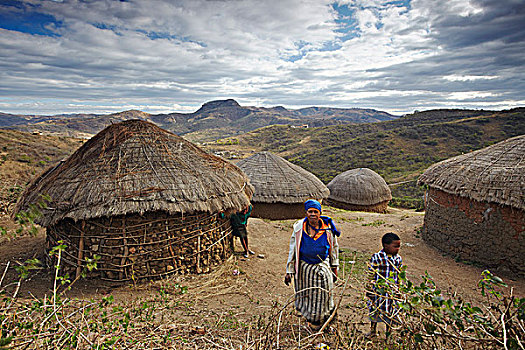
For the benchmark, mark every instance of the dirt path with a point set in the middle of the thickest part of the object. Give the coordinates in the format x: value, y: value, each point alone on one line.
x: 361, y: 232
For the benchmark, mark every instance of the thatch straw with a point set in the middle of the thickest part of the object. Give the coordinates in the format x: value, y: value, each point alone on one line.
x: 493, y: 174
x: 276, y: 180
x: 137, y: 167
x: 360, y: 186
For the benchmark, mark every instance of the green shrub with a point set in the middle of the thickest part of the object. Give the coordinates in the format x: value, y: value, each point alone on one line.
x: 407, y: 203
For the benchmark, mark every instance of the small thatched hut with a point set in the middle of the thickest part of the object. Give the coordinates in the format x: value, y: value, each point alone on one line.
x: 145, y: 201
x: 281, y: 188
x: 475, y: 205
x: 359, y: 189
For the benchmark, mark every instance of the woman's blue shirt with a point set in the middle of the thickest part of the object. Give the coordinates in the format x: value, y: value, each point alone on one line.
x: 314, y: 251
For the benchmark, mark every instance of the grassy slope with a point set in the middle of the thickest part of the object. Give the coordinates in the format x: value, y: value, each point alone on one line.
x: 398, y: 150
x: 23, y: 155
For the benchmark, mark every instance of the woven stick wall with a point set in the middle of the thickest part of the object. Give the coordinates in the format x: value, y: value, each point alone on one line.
x: 143, y: 199
x: 134, y: 247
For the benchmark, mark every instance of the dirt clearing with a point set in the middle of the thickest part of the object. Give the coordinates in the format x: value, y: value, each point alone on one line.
x: 247, y: 290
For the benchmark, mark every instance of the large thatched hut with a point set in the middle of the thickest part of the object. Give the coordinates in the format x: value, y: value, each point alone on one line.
x: 281, y: 188
x: 143, y: 200
x: 475, y: 205
x: 359, y: 189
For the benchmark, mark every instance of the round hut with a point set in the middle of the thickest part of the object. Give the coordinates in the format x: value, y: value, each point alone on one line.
x: 281, y: 188
x: 475, y: 205
x: 359, y: 189
x: 141, y: 201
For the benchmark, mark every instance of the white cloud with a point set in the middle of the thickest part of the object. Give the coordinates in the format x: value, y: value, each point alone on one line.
x: 455, y: 77
x: 468, y: 95
x: 161, y: 54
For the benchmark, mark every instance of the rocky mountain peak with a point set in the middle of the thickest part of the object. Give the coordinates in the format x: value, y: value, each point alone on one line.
x: 208, y: 106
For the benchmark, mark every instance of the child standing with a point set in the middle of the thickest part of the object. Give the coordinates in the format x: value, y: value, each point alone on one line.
x: 238, y: 222
x: 384, y: 265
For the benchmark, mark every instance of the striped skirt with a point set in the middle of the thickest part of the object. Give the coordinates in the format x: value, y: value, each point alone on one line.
x: 313, y: 291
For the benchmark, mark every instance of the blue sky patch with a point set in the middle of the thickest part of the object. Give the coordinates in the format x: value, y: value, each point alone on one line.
x: 331, y: 46
x: 400, y: 3
x: 23, y: 18
x: 105, y: 26
x: 300, y: 46
x: 153, y: 35
x: 346, y: 22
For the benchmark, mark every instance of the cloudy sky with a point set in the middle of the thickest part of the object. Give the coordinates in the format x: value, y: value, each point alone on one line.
x: 161, y: 56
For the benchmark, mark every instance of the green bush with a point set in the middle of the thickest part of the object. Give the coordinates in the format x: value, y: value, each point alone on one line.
x: 407, y: 203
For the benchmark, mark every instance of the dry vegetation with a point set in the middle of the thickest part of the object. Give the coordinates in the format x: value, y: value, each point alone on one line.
x: 244, y: 304
x: 221, y: 311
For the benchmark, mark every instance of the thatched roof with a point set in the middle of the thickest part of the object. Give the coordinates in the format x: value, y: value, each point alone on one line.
x: 276, y: 180
x: 137, y: 167
x: 360, y: 186
x: 493, y: 174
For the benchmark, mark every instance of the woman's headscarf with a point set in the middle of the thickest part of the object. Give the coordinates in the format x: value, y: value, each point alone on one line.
x: 312, y: 203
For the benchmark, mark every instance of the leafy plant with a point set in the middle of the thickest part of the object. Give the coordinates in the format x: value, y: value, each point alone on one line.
x: 25, y: 220
x: 429, y: 319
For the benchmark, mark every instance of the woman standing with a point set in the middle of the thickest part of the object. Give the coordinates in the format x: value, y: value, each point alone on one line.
x: 313, y: 260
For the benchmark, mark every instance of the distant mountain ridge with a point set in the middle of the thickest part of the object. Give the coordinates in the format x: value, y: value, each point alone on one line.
x: 213, y: 120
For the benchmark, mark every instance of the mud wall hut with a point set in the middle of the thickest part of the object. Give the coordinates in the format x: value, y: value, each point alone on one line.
x: 360, y: 189
x: 281, y: 188
x: 141, y: 200
x: 475, y: 206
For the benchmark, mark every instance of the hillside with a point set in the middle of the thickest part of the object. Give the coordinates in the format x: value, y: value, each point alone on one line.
x: 214, y: 120
x: 73, y: 125
x: 22, y: 156
x: 399, y: 150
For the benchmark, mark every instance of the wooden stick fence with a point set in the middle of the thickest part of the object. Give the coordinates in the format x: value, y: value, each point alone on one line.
x: 150, y: 246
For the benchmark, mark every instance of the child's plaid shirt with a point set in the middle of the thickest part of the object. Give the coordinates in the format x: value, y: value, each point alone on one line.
x: 382, y: 267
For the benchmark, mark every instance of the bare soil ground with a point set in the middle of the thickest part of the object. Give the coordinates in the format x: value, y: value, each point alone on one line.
x: 245, y: 289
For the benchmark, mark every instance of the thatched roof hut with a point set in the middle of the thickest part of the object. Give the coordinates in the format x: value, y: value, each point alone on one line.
x: 359, y: 189
x: 136, y: 194
x: 477, y: 200
x: 281, y: 188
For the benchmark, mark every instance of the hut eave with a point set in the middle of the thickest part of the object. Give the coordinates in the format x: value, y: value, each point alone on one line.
x: 289, y: 199
x: 358, y: 201
x: 213, y: 205
x: 493, y: 174
x: 465, y: 193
